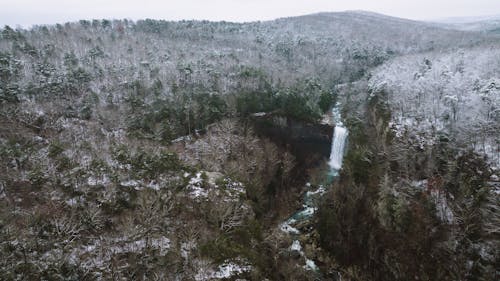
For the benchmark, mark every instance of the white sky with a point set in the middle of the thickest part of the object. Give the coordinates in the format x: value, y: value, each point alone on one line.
x: 29, y: 12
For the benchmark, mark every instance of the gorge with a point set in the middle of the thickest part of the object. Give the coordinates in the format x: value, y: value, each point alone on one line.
x: 349, y: 144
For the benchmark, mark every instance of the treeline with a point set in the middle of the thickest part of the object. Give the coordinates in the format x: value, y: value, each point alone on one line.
x: 192, y: 73
x: 165, y: 75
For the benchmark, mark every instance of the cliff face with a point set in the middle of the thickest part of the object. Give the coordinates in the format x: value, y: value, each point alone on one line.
x: 310, y: 143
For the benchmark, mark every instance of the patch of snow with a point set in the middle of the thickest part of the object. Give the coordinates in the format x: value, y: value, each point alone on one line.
x: 196, y: 180
x: 229, y: 269
x: 130, y: 183
x: 198, y: 192
x: 224, y: 271
x: 125, y: 166
x: 259, y: 114
x: 198, y: 187
x: 186, y: 248
x: 153, y: 185
x: 419, y: 184
x: 234, y: 185
x: 180, y: 139
x: 296, y: 246
x: 93, y: 181
x: 195, y: 187
x: 327, y: 119
x: 101, y: 252
x: 73, y: 201
x: 39, y: 139
x: 310, y: 265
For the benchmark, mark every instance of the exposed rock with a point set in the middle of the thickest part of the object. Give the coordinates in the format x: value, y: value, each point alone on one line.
x: 309, y: 142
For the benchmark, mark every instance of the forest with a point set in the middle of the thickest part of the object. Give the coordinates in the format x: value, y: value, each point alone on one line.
x: 162, y: 150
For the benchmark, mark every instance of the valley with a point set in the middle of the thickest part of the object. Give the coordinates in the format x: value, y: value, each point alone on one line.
x: 331, y: 146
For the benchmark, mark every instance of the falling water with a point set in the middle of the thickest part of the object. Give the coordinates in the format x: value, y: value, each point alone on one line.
x: 338, y: 144
x: 309, y: 206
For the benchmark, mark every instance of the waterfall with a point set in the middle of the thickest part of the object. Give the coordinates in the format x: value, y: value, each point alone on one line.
x: 338, y: 144
x: 310, y: 205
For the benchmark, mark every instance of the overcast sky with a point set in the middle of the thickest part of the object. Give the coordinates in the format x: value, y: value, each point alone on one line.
x: 29, y: 12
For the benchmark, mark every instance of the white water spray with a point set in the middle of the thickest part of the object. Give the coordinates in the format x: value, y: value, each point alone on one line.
x: 311, y: 197
x: 338, y: 145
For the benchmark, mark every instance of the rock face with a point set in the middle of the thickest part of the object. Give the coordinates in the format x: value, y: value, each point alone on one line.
x: 310, y: 143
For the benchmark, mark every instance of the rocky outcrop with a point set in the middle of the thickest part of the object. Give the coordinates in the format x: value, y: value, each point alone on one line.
x: 310, y: 143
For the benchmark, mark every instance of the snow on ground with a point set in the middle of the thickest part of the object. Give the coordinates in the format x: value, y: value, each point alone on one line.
x: 259, y: 114
x: 199, y: 187
x: 75, y: 201
x: 296, y: 246
x: 130, y: 183
x: 101, y: 251
x: 422, y: 184
x: 234, y: 186
x: 229, y: 269
x: 187, y: 247
x: 310, y: 265
x: 94, y: 181
x: 140, y: 184
x: 225, y: 270
x: 195, y: 187
x: 182, y: 139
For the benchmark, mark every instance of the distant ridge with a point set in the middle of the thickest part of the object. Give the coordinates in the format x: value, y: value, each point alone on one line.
x: 363, y: 13
x: 453, y: 20
x: 483, y: 23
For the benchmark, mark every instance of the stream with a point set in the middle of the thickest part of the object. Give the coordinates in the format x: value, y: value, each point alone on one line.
x: 313, y: 195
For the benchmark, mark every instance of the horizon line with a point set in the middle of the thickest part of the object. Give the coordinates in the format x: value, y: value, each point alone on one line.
x: 444, y: 20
